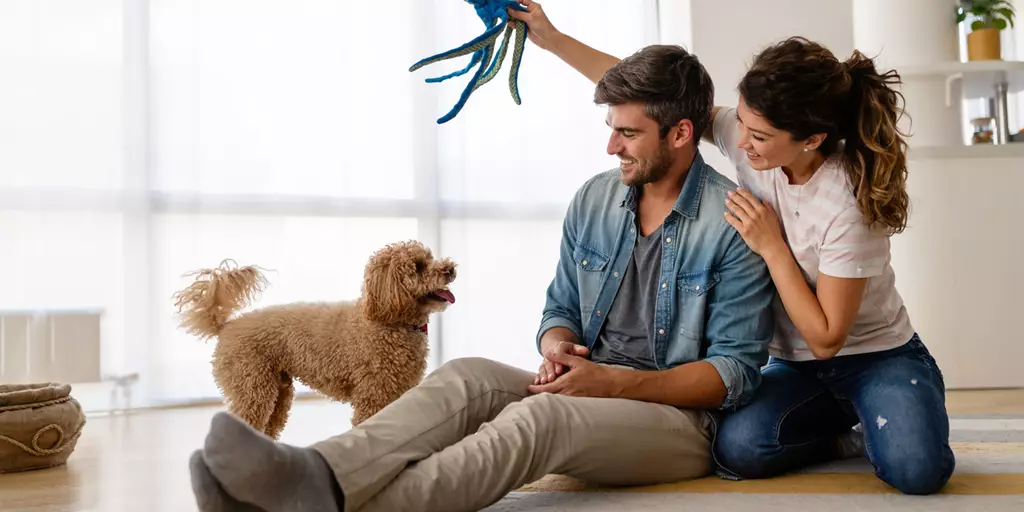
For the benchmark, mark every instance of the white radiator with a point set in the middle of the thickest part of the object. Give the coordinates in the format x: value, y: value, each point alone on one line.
x: 49, y: 346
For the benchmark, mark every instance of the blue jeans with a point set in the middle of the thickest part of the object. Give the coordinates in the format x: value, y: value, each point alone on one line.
x: 801, y: 408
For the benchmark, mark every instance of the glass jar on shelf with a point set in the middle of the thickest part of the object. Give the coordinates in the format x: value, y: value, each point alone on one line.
x: 982, y: 130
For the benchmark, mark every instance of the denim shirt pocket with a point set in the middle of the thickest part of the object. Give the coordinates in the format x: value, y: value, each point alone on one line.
x: 693, y: 289
x: 591, y: 265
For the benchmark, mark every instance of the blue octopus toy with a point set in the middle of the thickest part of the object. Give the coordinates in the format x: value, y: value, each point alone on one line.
x: 494, y: 14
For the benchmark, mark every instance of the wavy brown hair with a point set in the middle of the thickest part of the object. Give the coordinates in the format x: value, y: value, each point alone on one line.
x: 800, y: 87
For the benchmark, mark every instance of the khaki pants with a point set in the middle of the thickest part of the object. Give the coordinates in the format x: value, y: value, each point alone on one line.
x: 470, y: 433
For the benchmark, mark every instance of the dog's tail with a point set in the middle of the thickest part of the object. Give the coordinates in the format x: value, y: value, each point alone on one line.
x: 208, y: 303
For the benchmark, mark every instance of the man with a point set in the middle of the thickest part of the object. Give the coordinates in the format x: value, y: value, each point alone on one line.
x: 658, y: 315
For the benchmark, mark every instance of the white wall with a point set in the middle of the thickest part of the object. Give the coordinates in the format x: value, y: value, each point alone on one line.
x: 728, y: 33
x: 1018, y: 47
x: 958, y: 267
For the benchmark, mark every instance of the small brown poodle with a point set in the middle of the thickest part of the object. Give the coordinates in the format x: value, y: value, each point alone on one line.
x: 366, y: 352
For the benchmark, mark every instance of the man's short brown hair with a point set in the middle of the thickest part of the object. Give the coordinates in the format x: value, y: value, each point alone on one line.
x: 670, y: 82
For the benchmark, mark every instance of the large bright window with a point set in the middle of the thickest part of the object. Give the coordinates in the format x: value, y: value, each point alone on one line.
x: 307, y: 97
x: 143, y: 139
x: 60, y: 95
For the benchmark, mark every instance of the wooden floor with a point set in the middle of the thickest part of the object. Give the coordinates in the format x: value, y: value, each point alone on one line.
x: 138, y: 462
x: 989, y: 401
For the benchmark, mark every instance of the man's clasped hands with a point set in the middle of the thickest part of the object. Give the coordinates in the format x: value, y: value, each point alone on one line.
x: 567, y: 371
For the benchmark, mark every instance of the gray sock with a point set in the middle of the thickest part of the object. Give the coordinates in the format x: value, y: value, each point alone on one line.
x: 273, y: 476
x: 851, y: 444
x: 210, y: 496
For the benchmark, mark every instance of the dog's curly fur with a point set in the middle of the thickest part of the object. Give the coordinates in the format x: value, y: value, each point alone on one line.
x: 366, y: 352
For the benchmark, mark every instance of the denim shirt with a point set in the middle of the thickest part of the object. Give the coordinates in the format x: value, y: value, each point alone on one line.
x: 714, y: 300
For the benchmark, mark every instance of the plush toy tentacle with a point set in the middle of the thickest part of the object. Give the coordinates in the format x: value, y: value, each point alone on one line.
x: 469, y: 88
x: 517, y: 59
x: 485, y: 39
x: 494, y: 15
x: 492, y: 71
x: 477, y: 55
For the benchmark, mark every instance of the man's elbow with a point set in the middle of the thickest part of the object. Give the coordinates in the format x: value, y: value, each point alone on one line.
x: 717, y: 394
x: 727, y: 382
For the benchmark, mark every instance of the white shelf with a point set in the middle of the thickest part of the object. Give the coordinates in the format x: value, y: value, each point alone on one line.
x: 979, y: 77
x: 1009, y: 150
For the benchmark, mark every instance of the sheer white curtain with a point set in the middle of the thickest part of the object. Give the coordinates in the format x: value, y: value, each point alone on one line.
x: 142, y: 139
x: 62, y: 221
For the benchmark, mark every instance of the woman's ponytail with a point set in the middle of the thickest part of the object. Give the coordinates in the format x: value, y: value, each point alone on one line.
x: 875, y: 149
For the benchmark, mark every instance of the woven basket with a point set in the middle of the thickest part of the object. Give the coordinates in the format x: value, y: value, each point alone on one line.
x: 39, y: 426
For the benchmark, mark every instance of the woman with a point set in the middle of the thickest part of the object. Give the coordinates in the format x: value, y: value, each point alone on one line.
x: 822, y: 171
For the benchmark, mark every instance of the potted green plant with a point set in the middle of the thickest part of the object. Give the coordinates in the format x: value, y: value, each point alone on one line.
x: 991, y: 16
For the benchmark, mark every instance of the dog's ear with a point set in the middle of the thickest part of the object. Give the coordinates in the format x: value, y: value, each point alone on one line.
x: 385, y: 299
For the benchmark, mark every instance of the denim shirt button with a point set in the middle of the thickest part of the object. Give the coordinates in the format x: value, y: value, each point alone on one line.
x: 616, y: 274
x: 661, y: 331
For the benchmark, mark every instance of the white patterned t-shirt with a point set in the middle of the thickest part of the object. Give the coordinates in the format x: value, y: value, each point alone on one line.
x: 826, y: 233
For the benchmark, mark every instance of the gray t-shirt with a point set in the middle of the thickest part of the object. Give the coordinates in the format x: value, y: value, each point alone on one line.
x: 627, y: 333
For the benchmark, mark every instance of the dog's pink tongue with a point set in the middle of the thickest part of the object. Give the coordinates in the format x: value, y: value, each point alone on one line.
x: 447, y: 295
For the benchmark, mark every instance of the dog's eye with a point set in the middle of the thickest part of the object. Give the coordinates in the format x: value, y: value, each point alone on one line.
x: 420, y: 266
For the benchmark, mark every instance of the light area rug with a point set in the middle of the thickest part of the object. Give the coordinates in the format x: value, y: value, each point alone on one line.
x: 989, y: 476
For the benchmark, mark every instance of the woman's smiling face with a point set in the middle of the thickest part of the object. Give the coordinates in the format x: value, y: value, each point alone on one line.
x: 766, y: 146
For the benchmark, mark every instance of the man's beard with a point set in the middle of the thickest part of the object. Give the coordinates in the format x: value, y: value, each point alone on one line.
x: 651, y: 170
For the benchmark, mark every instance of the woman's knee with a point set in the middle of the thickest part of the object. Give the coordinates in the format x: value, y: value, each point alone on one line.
x: 744, y: 447
x: 909, y: 448
x: 917, y: 475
